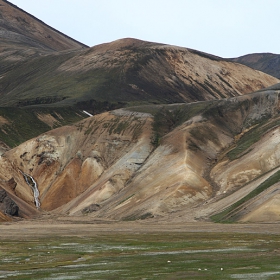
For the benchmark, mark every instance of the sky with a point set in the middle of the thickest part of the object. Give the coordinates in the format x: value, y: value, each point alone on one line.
x: 226, y: 28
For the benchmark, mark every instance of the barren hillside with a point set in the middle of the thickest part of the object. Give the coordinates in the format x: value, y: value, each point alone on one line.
x: 184, y: 162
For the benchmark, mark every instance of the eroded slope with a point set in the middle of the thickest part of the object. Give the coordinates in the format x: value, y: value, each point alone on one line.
x: 68, y: 160
x: 178, y: 162
x: 182, y: 175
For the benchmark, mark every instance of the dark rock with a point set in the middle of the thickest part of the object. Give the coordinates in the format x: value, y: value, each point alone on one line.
x: 7, y: 205
x: 3, y: 194
x: 11, y: 207
x: 12, y: 183
x: 91, y: 208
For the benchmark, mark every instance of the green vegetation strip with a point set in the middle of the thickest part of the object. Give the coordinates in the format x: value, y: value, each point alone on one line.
x: 163, y: 255
x: 22, y: 124
x: 228, y: 215
x: 251, y: 137
x: 168, y: 117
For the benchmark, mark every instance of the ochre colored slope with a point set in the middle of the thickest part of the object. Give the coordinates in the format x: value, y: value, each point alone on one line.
x: 181, y: 162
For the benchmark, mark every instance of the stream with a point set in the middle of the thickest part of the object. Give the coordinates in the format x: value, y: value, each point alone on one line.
x: 33, y: 185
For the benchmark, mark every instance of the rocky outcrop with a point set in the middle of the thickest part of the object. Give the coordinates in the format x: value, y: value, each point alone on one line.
x: 91, y: 208
x: 7, y: 205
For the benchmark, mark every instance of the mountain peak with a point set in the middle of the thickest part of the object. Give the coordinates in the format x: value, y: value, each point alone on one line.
x: 122, y: 44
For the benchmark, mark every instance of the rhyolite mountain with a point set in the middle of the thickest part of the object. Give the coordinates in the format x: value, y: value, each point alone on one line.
x: 215, y: 159
x: 266, y: 62
x: 176, y: 134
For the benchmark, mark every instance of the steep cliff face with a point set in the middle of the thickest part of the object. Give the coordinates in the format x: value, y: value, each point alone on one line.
x: 7, y: 205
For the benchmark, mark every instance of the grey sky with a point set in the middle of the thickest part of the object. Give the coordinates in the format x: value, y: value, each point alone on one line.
x: 227, y: 28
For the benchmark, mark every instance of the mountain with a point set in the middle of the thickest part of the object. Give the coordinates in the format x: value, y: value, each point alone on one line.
x: 24, y: 38
x: 175, y: 134
x: 266, y: 62
x: 178, y: 162
x: 40, y: 65
x: 124, y: 73
x: 22, y: 31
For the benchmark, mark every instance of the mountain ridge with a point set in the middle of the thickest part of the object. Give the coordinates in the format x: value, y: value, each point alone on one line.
x: 16, y: 20
x: 128, y: 73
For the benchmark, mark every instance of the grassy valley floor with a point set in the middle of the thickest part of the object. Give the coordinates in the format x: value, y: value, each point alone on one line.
x: 72, y: 249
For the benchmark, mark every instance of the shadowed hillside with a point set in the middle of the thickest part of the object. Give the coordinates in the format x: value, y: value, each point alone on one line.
x: 266, y: 62
x: 18, y: 29
x: 126, y: 72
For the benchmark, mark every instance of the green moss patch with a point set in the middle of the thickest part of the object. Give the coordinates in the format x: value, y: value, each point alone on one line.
x: 24, y: 124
